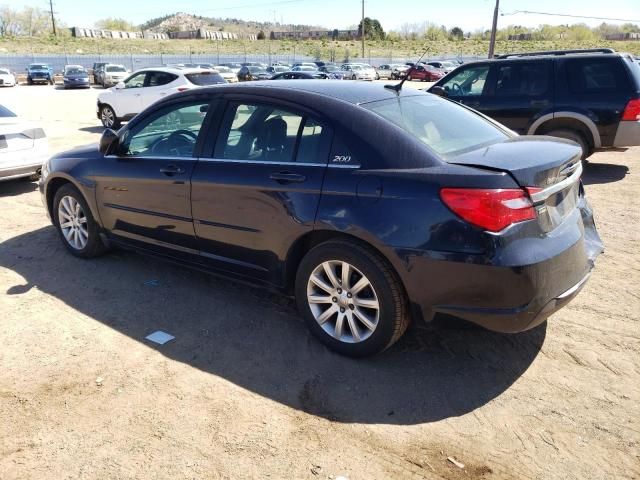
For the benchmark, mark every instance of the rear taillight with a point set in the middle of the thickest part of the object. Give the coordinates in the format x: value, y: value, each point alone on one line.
x: 490, y: 209
x: 632, y: 111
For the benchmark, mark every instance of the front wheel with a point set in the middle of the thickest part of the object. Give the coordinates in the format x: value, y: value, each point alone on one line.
x: 108, y: 117
x: 351, y: 298
x: 409, y: 78
x: 75, y: 223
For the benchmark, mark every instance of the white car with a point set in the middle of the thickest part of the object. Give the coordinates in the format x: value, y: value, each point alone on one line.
x: 23, y: 147
x: 145, y: 87
x: 355, y: 71
x: 111, y: 74
x: 225, y: 72
x: 7, y: 79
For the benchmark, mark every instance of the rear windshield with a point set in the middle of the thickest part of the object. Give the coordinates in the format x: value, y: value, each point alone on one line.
x: 116, y: 69
x: 205, y: 78
x: 5, y: 112
x: 445, y: 127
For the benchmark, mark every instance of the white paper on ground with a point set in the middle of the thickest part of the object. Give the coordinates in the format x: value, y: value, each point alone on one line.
x: 160, y: 337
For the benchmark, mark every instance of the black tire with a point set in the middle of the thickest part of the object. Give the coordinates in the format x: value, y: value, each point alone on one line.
x: 574, y: 136
x: 104, y: 109
x: 394, y: 308
x: 409, y: 78
x: 29, y: 81
x: 94, y: 246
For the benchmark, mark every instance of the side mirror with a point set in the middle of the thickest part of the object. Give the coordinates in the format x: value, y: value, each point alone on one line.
x: 108, y: 141
x: 119, y: 85
x: 438, y: 90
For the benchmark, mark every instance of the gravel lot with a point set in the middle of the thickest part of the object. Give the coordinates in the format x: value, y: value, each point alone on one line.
x: 245, y: 392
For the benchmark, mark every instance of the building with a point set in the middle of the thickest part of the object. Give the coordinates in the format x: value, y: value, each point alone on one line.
x: 316, y: 35
x: 521, y: 37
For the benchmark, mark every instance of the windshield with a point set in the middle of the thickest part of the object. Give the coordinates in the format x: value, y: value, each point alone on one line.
x: 205, y: 78
x: 116, y: 68
x: 440, y: 124
x: 4, y: 72
x: 5, y: 112
x: 75, y: 71
x: 36, y: 66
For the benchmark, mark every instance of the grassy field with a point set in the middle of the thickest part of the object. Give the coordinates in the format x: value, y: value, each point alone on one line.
x: 321, y: 49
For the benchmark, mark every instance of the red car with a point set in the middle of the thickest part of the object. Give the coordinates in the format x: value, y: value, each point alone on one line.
x: 425, y: 73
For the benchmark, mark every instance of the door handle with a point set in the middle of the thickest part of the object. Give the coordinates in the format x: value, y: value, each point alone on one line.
x: 287, y: 177
x: 539, y: 103
x: 171, y: 170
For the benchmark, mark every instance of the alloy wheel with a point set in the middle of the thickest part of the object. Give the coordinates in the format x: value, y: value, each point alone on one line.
x: 108, y: 117
x: 343, y: 301
x: 73, y: 222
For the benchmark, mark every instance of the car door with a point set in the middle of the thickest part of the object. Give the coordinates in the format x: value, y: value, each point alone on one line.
x: 127, y: 101
x: 143, y: 188
x: 468, y: 86
x: 260, y: 189
x: 156, y: 87
x: 519, y: 93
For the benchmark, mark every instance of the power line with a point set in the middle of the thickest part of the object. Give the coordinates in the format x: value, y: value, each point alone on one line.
x: 571, y: 16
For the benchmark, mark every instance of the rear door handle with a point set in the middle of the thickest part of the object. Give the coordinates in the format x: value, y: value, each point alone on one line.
x: 171, y: 170
x: 287, y: 177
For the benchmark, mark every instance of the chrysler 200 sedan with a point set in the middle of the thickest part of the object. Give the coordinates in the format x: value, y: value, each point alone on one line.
x: 372, y: 206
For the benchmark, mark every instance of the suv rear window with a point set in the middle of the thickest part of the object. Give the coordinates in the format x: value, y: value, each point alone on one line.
x: 591, y: 75
x: 205, y: 78
x: 445, y: 127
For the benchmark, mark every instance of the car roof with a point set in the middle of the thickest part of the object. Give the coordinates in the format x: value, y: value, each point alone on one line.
x: 353, y: 92
x: 176, y: 70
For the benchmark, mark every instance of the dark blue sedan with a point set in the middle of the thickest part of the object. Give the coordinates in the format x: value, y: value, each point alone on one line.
x: 75, y: 76
x: 374, y: 207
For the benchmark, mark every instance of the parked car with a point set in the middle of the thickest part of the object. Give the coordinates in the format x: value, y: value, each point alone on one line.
x: 424, y: 73
x: 252, y: 73
x: 591, y: 97
x: 111, y: 74
x: 39, y: 73
x: 385, y: 71
x: 75, y: 76
x: 357, y: 72
x: 147, y: 86
x: 444, y: 65
x: 304, y: 68
x: 7, y: 79
x: 300, y: 75
x: 293, y: 189
x: 23, y: 147
x: 399, y: 71
x: 235, y: 67
x: 274, y: 69
x: 226, y: 73
x: 305, y: 64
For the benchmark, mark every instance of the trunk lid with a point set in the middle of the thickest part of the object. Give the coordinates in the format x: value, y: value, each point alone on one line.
x: 548, y: 168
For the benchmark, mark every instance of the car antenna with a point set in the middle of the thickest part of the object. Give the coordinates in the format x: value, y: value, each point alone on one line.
x: 398, y: 87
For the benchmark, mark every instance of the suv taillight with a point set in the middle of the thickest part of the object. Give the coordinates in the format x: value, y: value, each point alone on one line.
x: 632, y: 111
x: 490, y: 209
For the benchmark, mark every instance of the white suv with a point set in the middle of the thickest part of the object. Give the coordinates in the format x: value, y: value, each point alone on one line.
x: 145, y: 87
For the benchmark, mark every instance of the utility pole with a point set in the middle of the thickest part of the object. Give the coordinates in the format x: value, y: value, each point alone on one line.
x: 494, y: 28
x: 362, y: 32
x: 53, y: 18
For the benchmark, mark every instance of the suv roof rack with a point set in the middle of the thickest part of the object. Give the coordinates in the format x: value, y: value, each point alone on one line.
x: 557, y: 52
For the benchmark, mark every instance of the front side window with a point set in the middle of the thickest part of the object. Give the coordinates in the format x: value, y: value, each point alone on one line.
x: 171, y: 133
x: 523, y: 79
x: 467, y: 83
x: 270, y: 134
x: 445, y: 127
x: 135, y: 81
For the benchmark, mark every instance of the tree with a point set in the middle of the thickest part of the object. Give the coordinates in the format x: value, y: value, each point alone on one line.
x: 372, y: 29
x: 434, y: 32
x: 456, y: 33
x: 33, y: 21
x: 261, y: 35
x: 118, y: 24
x: 8, y: 22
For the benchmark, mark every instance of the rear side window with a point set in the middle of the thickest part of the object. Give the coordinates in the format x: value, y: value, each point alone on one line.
x: 530, y: 79
x: 596, y: 75
x: 157, y: 79
x: 205, y: 78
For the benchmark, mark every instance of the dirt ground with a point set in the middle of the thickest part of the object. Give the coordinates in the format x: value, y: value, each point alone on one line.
x: 245, y: 392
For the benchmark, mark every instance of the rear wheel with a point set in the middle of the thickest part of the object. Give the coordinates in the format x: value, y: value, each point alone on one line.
x: 409, y: 78
x: 351, y: 298
x: 574, y: 136
x: 75, y: 223
x: 108, y: 117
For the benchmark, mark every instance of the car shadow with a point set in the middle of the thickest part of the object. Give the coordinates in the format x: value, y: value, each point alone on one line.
x: 94, y: 129
x: 599, y: 173
x: 256, y: 339
x: 10, y: 188
x: 61, y: 87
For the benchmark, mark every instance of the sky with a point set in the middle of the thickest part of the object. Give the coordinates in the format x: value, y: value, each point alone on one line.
x: 470, y: 15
